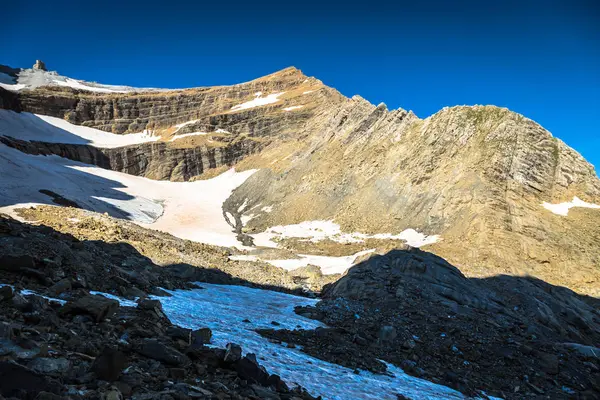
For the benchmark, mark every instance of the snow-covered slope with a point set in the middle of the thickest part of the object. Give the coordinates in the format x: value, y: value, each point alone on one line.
x: 189, y: 210
x: 34, y: 127
x: 32, y: 78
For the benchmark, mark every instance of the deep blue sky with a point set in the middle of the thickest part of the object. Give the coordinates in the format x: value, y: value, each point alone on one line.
x: 539, y: 58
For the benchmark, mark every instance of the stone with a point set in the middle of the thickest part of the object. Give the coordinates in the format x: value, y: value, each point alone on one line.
x: 16, y: 263
x: 154, y: 306
x: 548, y: 363
x: 176, y: 332
x: 112, y: 393
x: 6, y: 293
x: 387, y: 333
x: 109, y: 365
x: 7, y: 330
x: 98, y: 307
x: 177, y: 373
x: 23, y: 383
x: 21, y: 303
x: 52, y: 366
x: 248, y: 368
x: 201, y: 336
x: 39, y: 65
x: 59, y: 287
x: 48, y: 396
x: 233, y: 352
x: 156, y: 350
x: 264, y: 392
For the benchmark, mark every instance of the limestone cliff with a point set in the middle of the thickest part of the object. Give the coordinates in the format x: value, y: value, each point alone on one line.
x: 476, y: 175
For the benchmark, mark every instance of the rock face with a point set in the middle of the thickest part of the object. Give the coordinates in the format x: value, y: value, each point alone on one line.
x: 39, y: 65
x: 476, y: 176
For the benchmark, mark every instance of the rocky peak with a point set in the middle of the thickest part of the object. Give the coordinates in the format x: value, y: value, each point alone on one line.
x: 39, y: 65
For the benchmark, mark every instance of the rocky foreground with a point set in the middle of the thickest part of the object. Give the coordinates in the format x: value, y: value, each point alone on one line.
x: 505, y: 336
x: 87, y: 346
x: 509, y: 337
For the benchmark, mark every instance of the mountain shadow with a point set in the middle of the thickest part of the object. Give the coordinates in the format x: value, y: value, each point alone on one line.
x: 507, y: 336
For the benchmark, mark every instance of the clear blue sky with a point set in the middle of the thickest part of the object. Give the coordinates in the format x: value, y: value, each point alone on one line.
x: 539, y: 58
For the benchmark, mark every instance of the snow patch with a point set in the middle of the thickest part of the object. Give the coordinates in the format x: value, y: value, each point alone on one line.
x: 308, y: 91
x: 222, y: 308
x: 27, y: 126
x: 267, y: 209
x: 258, y: 101
x: 563, y: 208
x: 81, y: 85
x: 292, y: 108
x: 188, y: 210
x: 174, y: 138
x: 179, y: 126
x: 316, y: 231
x: 328, y: 265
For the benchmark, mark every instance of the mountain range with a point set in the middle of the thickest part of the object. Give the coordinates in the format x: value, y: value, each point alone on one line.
x: 428, y: 243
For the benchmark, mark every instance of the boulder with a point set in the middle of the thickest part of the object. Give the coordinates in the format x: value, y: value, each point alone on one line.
x: 201, y: 336
x: 156, y: 350
x: 249, y: 369
x: 16, y: 263
x: 233, y: 352
x: 98, y: 307
x: 109, y: 364
x: 179, y: 333
x: 6, y: 293
x: 23, y: 383
x: 51, y: 366
x: 59, y: 287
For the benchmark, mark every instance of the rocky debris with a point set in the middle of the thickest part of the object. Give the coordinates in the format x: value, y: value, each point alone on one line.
x: 201, y: 336
x: 156, y: 350
x: 98, y: 307
x: 234, y: 352
x: 23, y: 383
x: 39, y: 65
x: 506, y: 336
x: 109, y: 255
x: 138, y: 354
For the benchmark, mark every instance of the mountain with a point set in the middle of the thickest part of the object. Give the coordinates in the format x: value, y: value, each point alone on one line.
x: 490, y: 183
x: 276, y: 239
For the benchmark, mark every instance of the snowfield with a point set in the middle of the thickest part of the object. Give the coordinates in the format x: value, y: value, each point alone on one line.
x: 563, y: 208
x: 188, y: 210
x: 329, y: 265
x: 316, y: 231
x: 222, y: 308
x: 291, y: 108
x: 31, y: 79
x: 258, y: 101
x: 34, y: 127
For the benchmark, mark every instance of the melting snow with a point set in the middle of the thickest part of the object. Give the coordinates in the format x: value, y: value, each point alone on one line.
x: 563, y: 208
x: 81, y: 85
x: 329, y: 265
x: 258, y: 101
x: 188, y: 210
x: 308, y: 91
x: 174, y: 138
x: 34, y: 127
x: 316, y: 231
x: 292, y: 108
x: 179, y: 126
x: 223, y: 308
